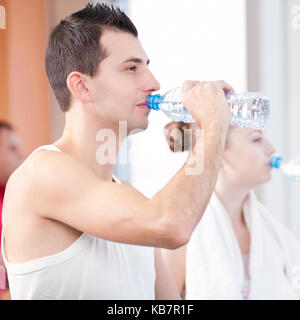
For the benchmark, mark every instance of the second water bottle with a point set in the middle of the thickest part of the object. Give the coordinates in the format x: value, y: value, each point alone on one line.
x: 291, y: 167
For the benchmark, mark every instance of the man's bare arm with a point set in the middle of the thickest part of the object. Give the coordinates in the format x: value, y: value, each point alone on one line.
x: 69, y: 192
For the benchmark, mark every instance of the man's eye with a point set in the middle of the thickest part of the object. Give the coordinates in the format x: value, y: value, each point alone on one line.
x: 257, y: 140
x: 132, y: 68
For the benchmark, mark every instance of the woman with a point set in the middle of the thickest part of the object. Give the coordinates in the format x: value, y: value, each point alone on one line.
x: 238, y: 250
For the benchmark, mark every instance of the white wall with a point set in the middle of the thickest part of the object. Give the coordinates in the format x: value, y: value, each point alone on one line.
x: 293, y: 81
x: 292, y: 25
x: 191, y: 39
x: 274, y: 68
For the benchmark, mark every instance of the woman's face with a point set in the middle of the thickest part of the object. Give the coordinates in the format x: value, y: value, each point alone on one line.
x: 247, y: 156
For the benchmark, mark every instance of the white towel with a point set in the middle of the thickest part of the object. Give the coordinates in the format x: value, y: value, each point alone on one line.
x: 214, y: 265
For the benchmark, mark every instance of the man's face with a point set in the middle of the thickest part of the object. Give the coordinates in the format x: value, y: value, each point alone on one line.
x: 9, y: 154
x: 123, y: 81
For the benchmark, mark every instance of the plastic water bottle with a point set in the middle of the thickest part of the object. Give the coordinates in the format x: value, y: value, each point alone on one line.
x: 291, y: 168
x: 248, y: 109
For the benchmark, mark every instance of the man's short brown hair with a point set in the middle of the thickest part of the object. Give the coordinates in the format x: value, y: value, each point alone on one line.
x: 74, y: 45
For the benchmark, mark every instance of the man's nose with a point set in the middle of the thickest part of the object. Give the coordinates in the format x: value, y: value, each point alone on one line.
x: 152, y: 84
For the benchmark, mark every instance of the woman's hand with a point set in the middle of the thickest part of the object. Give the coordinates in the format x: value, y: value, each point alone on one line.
x: 180, y: 136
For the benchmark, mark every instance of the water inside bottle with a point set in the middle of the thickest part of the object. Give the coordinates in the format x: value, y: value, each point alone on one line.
x: 249, y: 109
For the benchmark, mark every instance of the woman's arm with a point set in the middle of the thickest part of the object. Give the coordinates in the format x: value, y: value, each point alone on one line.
x: 175, y: 263
x: 165, y: 288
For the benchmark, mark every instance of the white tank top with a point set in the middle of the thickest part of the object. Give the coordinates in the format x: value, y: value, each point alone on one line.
x: 91, y: 268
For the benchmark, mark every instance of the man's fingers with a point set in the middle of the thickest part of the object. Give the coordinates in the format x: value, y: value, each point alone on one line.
x: 226, y: 87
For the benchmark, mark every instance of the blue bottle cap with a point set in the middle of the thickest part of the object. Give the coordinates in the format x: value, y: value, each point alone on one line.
x: 275, y: 162
x: 153, y: 101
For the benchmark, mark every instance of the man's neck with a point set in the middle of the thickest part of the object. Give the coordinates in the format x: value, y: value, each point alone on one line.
x: 94, y: 145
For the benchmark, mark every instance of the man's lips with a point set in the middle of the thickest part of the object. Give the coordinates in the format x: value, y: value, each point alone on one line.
x: 142, y: 105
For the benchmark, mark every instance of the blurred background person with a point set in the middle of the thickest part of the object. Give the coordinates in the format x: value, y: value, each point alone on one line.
x: 10, y: 159
x: 238, y: 250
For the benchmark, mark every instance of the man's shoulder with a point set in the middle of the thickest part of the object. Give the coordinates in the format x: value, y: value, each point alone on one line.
x: 39, y: 169
x: 25, y: 186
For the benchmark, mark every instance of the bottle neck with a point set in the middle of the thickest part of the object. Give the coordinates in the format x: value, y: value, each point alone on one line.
x: 276, y: 162
x: 153, y: 101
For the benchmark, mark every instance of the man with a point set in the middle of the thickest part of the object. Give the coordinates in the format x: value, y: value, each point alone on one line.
x: 73, y: 233
x: 9, y: 161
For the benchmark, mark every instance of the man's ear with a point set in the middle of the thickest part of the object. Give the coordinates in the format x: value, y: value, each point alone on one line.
x: 78, y: 86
